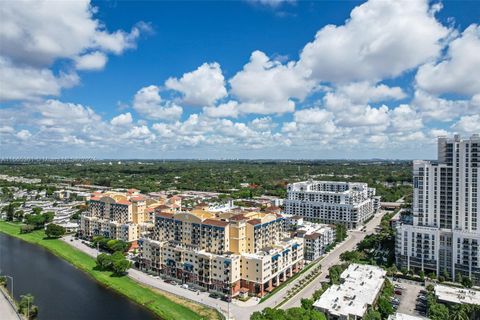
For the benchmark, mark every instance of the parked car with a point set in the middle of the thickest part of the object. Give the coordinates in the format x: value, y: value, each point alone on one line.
x: 214, y: 295
x: 398, y: 292
x: 193, y: 289
x: 185, y: 286
x: 227, y: 298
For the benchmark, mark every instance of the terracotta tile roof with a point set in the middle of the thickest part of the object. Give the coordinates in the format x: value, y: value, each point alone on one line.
x: 124, y: 202
x: 164, y: 214
x: 254, y: 221
x: 202, y: 204
x: 150, y: 209
x: 272, y: 208
x: 137, y: 198
x: 134, y: 245
x: 95, y: 198
x: 238, y: 217
x: 214, y: 222
x: 312, y: 236
x: 162, y: 206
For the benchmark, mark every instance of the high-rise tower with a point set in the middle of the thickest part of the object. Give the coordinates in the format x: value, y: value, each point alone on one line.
x: 445, y: 234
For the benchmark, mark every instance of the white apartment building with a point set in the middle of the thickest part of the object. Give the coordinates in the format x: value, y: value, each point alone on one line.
x: 331, y: 202
x: 316, y: 237
x: 361, y: 285
x: 445, y: 234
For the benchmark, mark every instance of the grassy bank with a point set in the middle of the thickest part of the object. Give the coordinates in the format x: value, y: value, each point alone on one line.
x: 170, y: 307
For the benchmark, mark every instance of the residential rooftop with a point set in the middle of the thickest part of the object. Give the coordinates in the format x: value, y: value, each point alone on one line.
x: 361, y: 285
x: 457, y: 295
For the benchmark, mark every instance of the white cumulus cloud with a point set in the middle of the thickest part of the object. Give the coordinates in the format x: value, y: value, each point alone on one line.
x: 148, y: 103
x: 202, y: 87
x: 382, y: 39
x: 122, y: 119
x: 35, y: 34
x: 91, y: 61
x: 459, y: 72
x: 265, y: 86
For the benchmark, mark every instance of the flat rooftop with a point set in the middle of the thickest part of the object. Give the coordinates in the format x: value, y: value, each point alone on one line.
x: 361, y: 286
x: 403, y: 316
x: 457, y: 295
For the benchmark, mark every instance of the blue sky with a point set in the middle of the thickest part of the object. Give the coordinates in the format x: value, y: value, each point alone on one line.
x: 237, y: 79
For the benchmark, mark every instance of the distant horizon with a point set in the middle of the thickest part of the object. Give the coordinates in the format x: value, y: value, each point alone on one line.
x: 206, y: 159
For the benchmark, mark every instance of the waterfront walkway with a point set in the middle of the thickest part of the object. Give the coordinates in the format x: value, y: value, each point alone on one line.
x: 6, y: 308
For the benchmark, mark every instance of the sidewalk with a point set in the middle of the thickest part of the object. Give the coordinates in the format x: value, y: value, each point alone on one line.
x: 7, y: 310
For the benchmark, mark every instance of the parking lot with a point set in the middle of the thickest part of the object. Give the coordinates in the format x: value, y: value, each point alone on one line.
x: 411, y: 297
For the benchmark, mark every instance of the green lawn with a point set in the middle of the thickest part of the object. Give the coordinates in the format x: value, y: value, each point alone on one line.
x: 154, y: 301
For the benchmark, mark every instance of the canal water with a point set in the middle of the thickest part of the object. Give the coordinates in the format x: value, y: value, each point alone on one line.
x: 61, y: 291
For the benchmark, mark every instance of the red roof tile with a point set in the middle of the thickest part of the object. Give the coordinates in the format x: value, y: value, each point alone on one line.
x: 164, y: 214
x: 213, y: 222
x: 254, y: 221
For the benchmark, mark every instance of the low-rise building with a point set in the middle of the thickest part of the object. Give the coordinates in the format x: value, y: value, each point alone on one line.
x: 455, y: 295
x: 361, y: 285
x: 403, y: 316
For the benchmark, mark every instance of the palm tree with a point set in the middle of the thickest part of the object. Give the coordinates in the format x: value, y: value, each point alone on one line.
x: 459, y: 312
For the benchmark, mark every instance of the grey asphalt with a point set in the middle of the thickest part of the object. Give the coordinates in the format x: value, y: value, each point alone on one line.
x: 408, y: 299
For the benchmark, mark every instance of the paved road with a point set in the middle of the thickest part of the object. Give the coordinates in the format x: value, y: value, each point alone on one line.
x: 239, y: 310
x: 6, y: 309
x: 331, y: 259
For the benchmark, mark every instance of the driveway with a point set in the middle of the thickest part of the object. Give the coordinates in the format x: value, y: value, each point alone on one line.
x: 408, y: 299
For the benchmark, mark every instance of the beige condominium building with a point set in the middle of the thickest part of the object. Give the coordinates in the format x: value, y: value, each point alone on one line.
x: 229, y: 252
x: 124, y: 216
